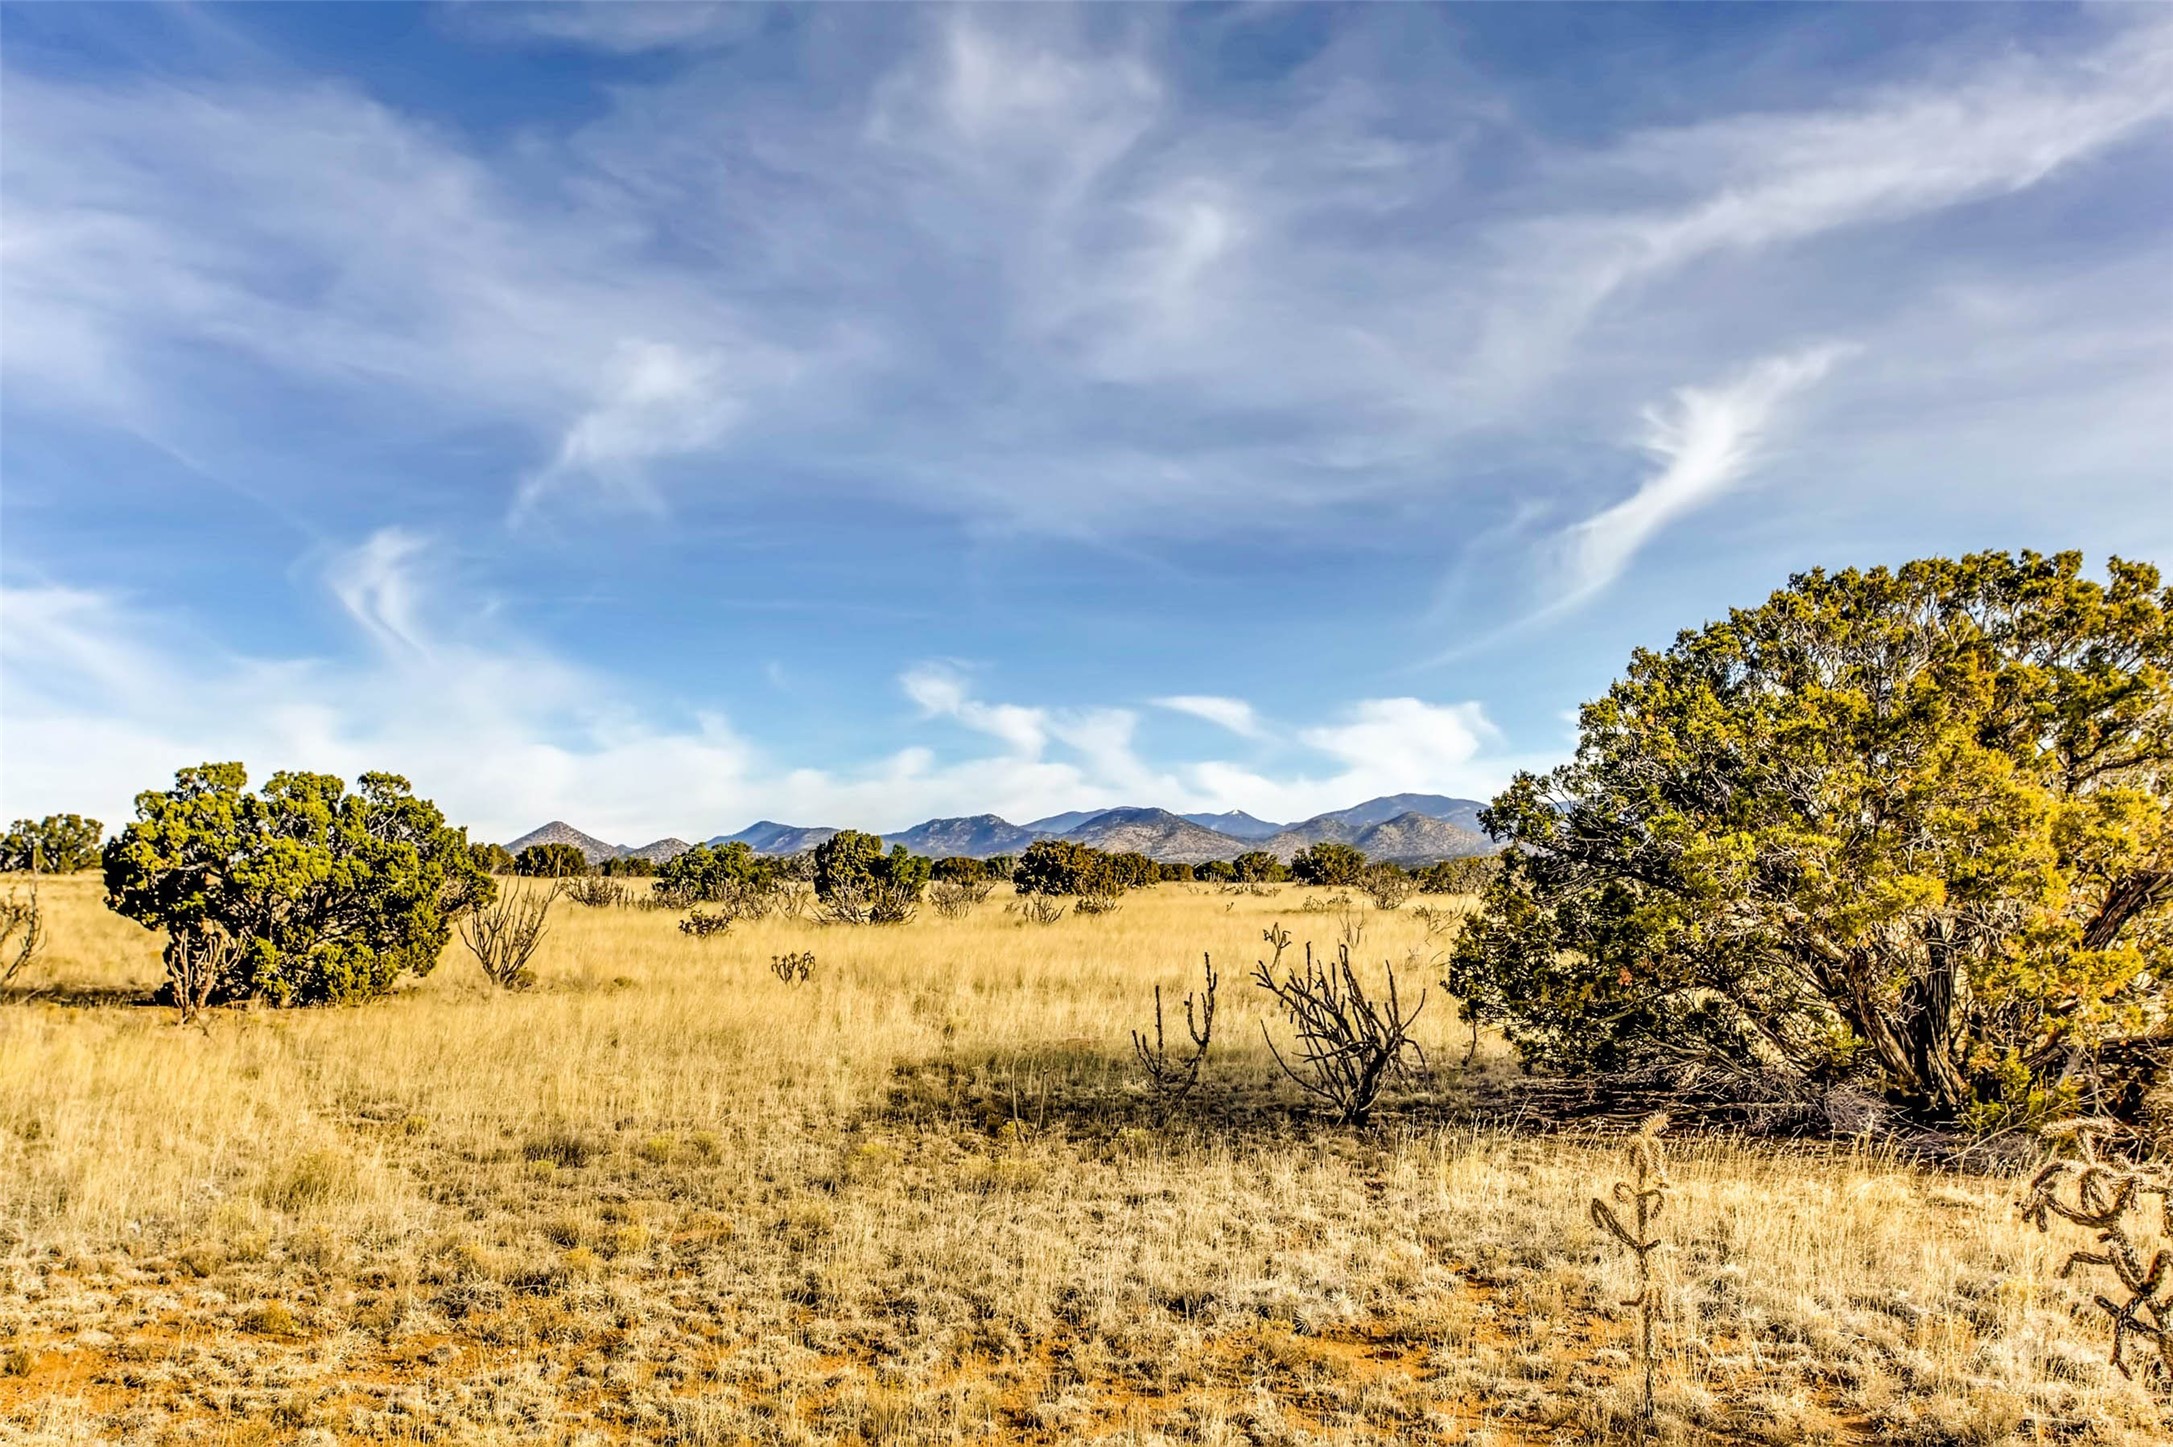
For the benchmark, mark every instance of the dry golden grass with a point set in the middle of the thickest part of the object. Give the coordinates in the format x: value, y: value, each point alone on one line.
x: 919, y: 1199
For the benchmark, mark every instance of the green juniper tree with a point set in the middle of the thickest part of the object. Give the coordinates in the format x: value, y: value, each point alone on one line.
x: 315, y: 895
x: 1908, y: 826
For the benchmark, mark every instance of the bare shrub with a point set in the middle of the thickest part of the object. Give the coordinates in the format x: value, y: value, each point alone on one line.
x: 1037, y: 909
x: 1250, y: 887
x: 1349, y: 1044
x: 503, y: 935
x: 195, y: 963
x: 1171, y: 1080
x: 2105, y: 1196
x: 793, y: 969
x: 1387, y: 885
x: 1645, y: 1193
x: 955, y: 899
x: 1338, y: 903
x: 702, y: 924
x: 22, y: 932
x: 1095, y: 904
x: 597, y: 892
x: 877, y: 903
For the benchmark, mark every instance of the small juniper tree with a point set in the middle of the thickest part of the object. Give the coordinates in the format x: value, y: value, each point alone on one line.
x: 328, y: 897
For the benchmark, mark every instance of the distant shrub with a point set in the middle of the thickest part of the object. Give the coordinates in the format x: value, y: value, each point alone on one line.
x: 858, y: 883
x: 955, y: 900
x: 727, y: 873
x: 56, y: 844
x: 328, y: 897
x: 1257, y: 866
x: 1328, y: 862
x: 1096, y: 904
x: 1133, y: 870
x: 958, y: 869
x: 629, y: 866
x: 1060, y: 866
x: 598, y: 893
x: 1216, y: 871
x: 551, y: 861
x: 1001, y: 866
x: 1166, y: 873
x: 492, y: 858
x: 1387, y: 885
x: 702, y: 924
x: 1470, y: 874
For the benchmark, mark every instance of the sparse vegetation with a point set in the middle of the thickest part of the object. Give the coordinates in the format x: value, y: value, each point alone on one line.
x: 955, y: 898
x: 794, y: 968
x: 1387, y: 885
x: 704, y: 924
x: 937, y: 1208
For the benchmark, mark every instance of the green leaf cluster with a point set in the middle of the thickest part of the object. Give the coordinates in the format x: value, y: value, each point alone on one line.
x: 329, y: 897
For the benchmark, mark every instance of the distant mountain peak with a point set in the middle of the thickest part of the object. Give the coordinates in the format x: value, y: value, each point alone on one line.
x: 558, y: 831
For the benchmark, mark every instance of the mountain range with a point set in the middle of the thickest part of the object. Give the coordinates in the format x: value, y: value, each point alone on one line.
x: 1405, y: 828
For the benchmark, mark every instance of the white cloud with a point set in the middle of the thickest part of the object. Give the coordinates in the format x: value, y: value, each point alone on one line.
x: 1234, y: 714
x: 940, y: 691
x: 99, y: 700
x: 1705, y: 443
x: 658, y: 401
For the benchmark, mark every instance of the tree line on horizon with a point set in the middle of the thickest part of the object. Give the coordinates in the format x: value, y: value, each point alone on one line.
x: 1902, y: 828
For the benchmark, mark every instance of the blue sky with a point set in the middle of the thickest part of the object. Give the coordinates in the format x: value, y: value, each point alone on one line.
x: 665, y: 417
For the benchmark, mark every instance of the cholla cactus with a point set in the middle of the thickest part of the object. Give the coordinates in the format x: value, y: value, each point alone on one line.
x: 1645, y: 1193
x: 2105, y: 1196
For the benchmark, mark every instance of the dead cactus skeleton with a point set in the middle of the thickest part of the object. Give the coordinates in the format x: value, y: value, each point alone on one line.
x: 1644, y: 1194
x: 1171, y: 1080
x: 2105, y: 1195
x: 1350, y: 1044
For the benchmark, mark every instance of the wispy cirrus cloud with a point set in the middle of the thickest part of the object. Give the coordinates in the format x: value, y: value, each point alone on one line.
x: 1706, y: 441
x: 1234, y: 714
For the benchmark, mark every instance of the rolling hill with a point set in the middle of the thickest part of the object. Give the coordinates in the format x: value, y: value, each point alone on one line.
x: 1407, y: 828
x: 558, y: 831
x: 976, y: 837
x: 1156, y: 833
x: 766, y: 836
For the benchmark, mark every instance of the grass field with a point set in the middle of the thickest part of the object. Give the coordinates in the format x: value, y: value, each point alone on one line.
x: 919, y: 1199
